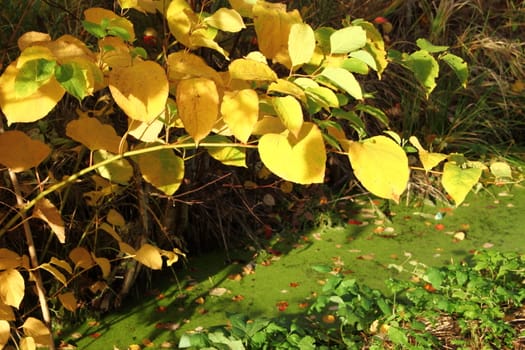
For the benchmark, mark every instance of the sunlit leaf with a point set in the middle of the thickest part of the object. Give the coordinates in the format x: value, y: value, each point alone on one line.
x: 116, y: 25
x: 45, y: 210
x: 428, y: 159
x: 57, y: 274
x: 381, y: 166
x: 119, y: 171
x: 268, y: 125
x: 12, y: 287
x: 240, y: 110
x: 149, y: 256
x: 95, y: 135
x: 173, y: 256
x: 301, y: 43
x: 374, y: 112
x: 426, y: 45
x: 29, y: 108
x: 347, y: 39
x: 198, y: 106
x: 114, y: 52
x: 68, y: 300
x: 81, y: 258
x: 458, y: 65
x: 501, y: 170
x: 301, y: 160
x: 19, y: 152
x: 286, y: 87
x: 30, y: 38
x: 163, y: 169
x: 141, y: 90
x: 28, y: 343
x: 322, y: 97
x: 290, y: 112
x: 37, y: 330
x: 32, y: 75
x: 458, y: 181
x: 364, y: 56
x: 204, y: 37
x: 183, y: 65
x: 5, y: 332
x: 74, y: 78
x: 6, y: 313
x: 181, y: 19
x: 344, y: 80
x: 227, y: 20
x: 246, y: 69
x: 375, y: 44
x: 425, y: 69
x: 9, y: 259
x: 244, y: 7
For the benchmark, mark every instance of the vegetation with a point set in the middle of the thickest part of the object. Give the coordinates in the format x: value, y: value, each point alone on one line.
x: 112, y: 138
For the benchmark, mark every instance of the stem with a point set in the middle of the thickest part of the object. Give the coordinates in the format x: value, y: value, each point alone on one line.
x: 46, y: 316
x: 20, y: 214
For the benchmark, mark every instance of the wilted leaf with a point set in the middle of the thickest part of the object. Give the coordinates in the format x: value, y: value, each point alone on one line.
x: 12, y: 287
x: 290, y: 112
x: 9, y: 259
x: 68, y: 300
x: 19, y: 152
x: 81, y: 258
x: 45, y: 210
x: 95, y: 135
x: 428, y: 159
x: 301, y: 43
x: 225, y: 19
x: 163, y: 169
x: 37, y: 330
x: 240, y: 110
x: 119, y: 171
x: 344, y: 80
x: 141, y: 90
x: 198, y: 106
x: 347, y: 39
x: 149, y: 256
x: 301, y: 160
x: 246, y: 69
x: 381, y: 165
x: 458, y: 181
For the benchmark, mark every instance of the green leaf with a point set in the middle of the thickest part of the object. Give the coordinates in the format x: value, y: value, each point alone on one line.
x: 425, y: 69
x: 119, y: 171
x: 322, y: 96
x: 301, y: 43
x: 426, y: 45
x: 458, y: 65
x: 94, y: 29
x: 355, y: 122
x: 374, y: 112
x: 72, y: 77
x: 32, y: 75
x: 365, y: 57
x: 397, y: 336
x: 322, y: 36
x: 233, y: 156
x: 290, y: 112
x: 458, y: 181
x: 355, y: 65
x: 347, y: 39
x: 344, y: 80
x: 119, y: 32
x: 434, y: 277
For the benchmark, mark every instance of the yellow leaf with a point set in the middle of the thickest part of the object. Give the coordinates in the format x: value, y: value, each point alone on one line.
x: 29, y: 108
x: 27, y: 343
x: 110, y: 230
x: 428, y: 159
x: 244, y: 7
x: 202, y: 38
x: 246, y: 69
x: 146, y: 132
x: 59, y: 276
x: 173, y: 256
x: 240, y: 110
x: 9, y: 259
x: 30, y: 38
x: 12, y: 287
x: 145, y: 6
x: 181, y: 20
x: 6, y: 313
x: 68, y: 300
x: 114, y: 52
x: 290, y: 112
x: 67, y: 48
x: 19, y: 152
x: 163, y: 169
x: 126, y: 248
x: 381, y: 165
x: 301, y: 160
x: 272, y: 26
x: 33, y: 53
x: 104, y: 265
x: 115, y: 218
x: 46, y: 211
x: 5, y: 332
x: 97, y: 14
x: 198, y: 106
x: 233, y: 156
x: 458, y: 181
x: 141, y: 90
x: 61, y: 263
x: 95, y: 135
x: 301, y: 43
x: 184, y: 65
x: 287, y: 88
x: 268, y: 125
x: 149, y: 256
x: 227, y: 20
x: 81, y: 258
x: 119, y: 171
x: 37, y: 330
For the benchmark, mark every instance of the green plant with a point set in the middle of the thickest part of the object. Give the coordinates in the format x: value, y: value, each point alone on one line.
x: 293, y: 111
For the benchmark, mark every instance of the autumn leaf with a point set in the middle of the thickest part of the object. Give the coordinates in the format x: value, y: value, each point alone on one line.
x: 19, y: 152
x: 46, y: 211
x: 81, y: 258
x: 95, y: 135
x: 240, y: 110
x: 163, y: 169
x: 225, y: 19
x: 149, y: 256
x: 37, y: 330
x: 5, y: 332
x: 68, y: 300
x: 458, y: 181
x: 12, y: 287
